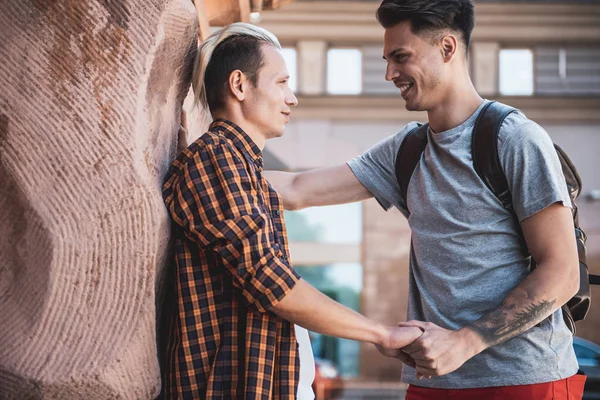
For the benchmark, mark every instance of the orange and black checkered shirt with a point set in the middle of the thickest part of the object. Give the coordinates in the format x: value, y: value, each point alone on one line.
x: 231, y: 267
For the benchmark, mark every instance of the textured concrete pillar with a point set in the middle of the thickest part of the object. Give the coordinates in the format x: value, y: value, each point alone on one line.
x: 485, y: 67
x: 312, y: 57
x: 89, y: 108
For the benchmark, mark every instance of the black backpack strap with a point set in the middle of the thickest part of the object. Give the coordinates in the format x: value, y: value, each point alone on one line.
x: 408, y: 156
x: 484, y: 149
x: 594, y: 279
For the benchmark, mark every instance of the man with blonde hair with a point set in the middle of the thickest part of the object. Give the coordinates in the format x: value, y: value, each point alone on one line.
x: 236, y: 295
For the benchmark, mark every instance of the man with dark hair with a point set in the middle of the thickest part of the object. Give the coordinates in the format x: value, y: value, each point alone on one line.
x: 432, y: 17
x: 492, y: 327
x: 236, y: 296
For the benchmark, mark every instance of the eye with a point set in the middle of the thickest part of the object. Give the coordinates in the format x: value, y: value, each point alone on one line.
x: 400, y: 58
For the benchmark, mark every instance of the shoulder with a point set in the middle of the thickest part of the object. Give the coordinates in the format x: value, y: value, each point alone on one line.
x: 210, y: 151
x: 393, y: 142
x: 518, y: 132
x: 209, y: 142
x: 383, y: 154
x: 209, y: 146
x: 399, y: 136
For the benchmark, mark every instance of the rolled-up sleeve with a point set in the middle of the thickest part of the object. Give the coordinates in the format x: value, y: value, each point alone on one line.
x: 213, y: 198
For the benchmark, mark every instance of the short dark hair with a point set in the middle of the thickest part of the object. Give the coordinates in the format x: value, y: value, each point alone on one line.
x: 430, y: 15
x: 240, y: 52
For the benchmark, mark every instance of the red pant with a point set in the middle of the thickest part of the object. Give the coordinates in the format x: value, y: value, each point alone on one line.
x: 565, y: 389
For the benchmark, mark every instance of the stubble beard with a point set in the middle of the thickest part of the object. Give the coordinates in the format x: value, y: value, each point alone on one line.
x: 433, y: 84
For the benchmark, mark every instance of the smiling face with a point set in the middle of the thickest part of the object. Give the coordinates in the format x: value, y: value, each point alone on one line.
x: 268, y: 104
x: 415, y: 64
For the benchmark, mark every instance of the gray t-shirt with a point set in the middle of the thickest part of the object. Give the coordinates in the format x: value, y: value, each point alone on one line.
x: 467, y: 251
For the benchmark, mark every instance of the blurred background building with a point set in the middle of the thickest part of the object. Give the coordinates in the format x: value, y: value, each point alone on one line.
x: 541, y: 57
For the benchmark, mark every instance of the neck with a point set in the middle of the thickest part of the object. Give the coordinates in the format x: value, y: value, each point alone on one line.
x: 249, y: 129
x: 458, y: 105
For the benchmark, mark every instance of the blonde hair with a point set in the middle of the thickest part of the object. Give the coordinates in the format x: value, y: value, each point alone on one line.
x: 205, y: 52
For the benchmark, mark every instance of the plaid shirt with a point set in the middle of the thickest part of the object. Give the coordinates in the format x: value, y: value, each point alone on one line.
x: 232, y: 267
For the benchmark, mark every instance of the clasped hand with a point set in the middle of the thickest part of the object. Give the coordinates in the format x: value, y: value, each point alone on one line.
x: 434, y: 351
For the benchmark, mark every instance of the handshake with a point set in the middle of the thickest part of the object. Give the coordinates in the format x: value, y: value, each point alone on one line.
x: 430, y: 349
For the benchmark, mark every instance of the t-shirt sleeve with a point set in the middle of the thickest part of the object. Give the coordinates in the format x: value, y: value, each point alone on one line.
x: 531, y: 166
x: 375, y: 169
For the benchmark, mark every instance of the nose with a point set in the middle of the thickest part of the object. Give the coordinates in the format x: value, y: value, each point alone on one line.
x: 291, y: 99
x: 391, y: 72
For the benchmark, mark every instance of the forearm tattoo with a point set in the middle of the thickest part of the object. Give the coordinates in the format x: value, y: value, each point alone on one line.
x: 514, y: 316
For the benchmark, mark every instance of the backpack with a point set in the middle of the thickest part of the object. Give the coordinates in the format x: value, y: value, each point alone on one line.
x: 484, y: 150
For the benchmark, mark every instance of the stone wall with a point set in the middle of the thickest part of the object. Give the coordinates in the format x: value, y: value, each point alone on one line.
x: 90, y: 100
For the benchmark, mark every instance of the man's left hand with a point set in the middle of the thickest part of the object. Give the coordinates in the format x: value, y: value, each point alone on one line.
x: 440, y: 351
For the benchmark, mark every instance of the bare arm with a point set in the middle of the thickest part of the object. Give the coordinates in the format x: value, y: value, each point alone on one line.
x: 318, y: 187
x: 551, y: 241
x: 308, y: 307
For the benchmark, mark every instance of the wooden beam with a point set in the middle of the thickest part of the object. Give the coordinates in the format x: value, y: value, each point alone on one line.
x: 275, y: 4
x: 244, y: 10
x: 257, y: 5
x: 225, y: 12
x: 203, y: 23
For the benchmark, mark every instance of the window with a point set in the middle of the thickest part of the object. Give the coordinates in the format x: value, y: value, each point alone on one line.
x: 325, y: 247
x: 516, y: 72
x: 344, y: 71
x: 334, y: 224
x: 343, y: 283
x: 567, y: 70
x: 289, y: 55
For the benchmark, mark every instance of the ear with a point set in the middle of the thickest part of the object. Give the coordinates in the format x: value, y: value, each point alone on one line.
x: 449, y: 47
x: 238, y: 84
